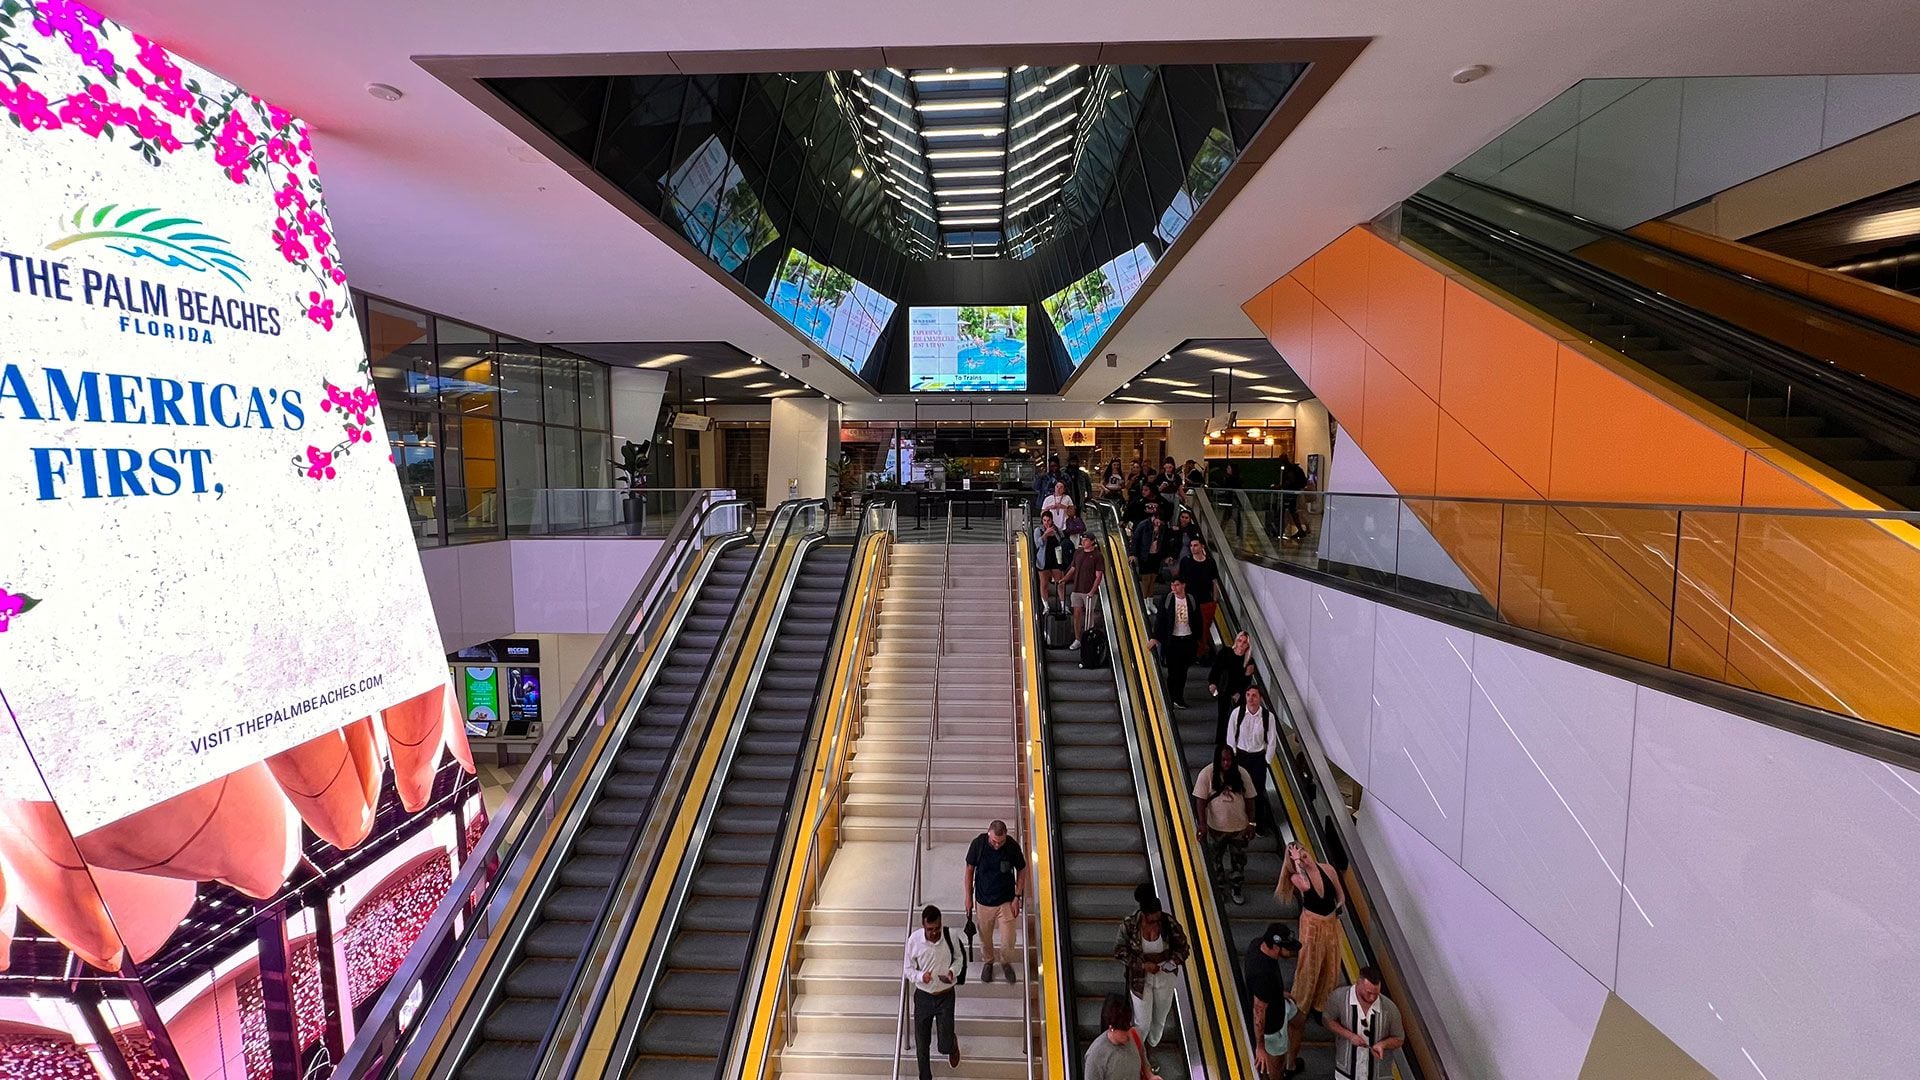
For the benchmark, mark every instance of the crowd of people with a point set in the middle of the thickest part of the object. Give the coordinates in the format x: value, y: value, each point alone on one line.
x: 1153, y: 950
x: 1163, y: 543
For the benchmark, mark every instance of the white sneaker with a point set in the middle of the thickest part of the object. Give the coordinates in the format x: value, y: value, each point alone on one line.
x: 1075, y: 645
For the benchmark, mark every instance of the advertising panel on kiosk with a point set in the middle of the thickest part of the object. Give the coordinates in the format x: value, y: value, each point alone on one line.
x: 216, y: 644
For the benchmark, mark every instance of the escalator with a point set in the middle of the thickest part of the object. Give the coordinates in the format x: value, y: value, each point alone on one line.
x: 1855, y: 425
x: 690, y: 1016
x: 540, y: 975
x: 1100, y: 836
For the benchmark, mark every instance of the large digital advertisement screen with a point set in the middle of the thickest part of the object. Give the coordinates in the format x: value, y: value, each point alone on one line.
x: 716, y: 208
x: 967, y: 348
x: 840, y: 313
x: 1083, y: 310
x: 213, y: 625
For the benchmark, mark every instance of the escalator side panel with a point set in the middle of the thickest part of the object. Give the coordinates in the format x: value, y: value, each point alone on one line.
x: 538, y: 977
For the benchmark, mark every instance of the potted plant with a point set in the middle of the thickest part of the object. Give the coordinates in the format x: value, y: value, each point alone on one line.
x: 845, y: 477
x: 632, y: 468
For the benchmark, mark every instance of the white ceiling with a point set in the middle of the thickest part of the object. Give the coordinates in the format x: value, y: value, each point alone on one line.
x: 438, y: 206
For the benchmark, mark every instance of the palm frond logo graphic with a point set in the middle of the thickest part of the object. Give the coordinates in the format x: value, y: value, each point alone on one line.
x: 167, y: 240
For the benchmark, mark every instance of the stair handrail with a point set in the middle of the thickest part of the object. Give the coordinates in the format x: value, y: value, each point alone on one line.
x: 494, y: 863
x: 913, y: 921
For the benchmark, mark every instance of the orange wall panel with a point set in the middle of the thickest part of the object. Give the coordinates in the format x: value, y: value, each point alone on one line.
x: 1292, y: 331
x: 1405, y: 308
x: 1404, y: 426
x: 1340, y: 277
x: 1466, y: 467
x: 1260, y: 310
x: 1339, y: 369
x: 1611, y: 443
x: 1496, y: 378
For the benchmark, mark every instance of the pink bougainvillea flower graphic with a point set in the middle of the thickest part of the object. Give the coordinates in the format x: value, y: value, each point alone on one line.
x: 75, y: 23
x: 14, y: 604
x: 320, y: 311
x: 319, y: 464
x: 30, y: 106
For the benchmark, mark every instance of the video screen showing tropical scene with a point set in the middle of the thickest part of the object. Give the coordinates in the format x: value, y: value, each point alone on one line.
x: 843, y: 315
x: 714, y: 207
x: 1210, y: 164
x: 1083, y: 310
x: 967, y: 348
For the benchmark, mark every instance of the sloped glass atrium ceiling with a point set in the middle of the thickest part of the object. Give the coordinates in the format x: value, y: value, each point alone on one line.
x: 835, y: 196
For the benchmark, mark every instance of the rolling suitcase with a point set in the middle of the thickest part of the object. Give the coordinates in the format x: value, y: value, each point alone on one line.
x: 1093, y: 647
x: 1056, y: 629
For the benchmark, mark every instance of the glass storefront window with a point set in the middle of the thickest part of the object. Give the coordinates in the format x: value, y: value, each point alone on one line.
x: 596, y: 459
x: 519, y: 381
x: 525, y: 471
x: 399, y: 352
x: 594, y: 402
x: 561, y: 390
x: 465, y: 382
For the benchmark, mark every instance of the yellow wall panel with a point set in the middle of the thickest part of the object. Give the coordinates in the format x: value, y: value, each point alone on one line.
x: 1405, y: 309
x: 1496, y: 378
x: 1339, y: 369
x: 1404, y: 425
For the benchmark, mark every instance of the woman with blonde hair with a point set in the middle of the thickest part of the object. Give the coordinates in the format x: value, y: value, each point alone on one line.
x: 1316, y: 887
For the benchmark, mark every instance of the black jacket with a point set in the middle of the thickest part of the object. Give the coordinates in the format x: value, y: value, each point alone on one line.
x: 1163, y: 621
x: 1229, y: 673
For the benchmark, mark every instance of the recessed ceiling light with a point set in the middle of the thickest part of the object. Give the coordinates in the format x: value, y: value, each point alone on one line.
x: 1168, y: 382
x: 782, y: 393
x: 385, y: 92
x: 737, y: 373
x: 1218, y: 354
x: 951, y: 75
x: 1471, y: 73
x: 964, y: 174
x: 665, y: 360
x: 956, y: 155
x: 962, y: 132
x: 1193, y: 393
x: 760, y: 385
x: 970, y: 105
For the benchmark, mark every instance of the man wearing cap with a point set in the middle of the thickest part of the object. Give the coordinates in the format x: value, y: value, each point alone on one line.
x: 1272, y: 1005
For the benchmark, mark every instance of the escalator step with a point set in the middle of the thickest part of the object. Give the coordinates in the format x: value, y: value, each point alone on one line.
x: 590, y: 871
x: 1107, y: 783
x: 603, y: 840
x: 719, y: 913
x: 557, y: 939
x: 684, y: 1035
x: 519, y: 1020
x: 540, y: 977
x: 695, y: 991
x: 1083, y: 869
x: 495, y: 1060
x: 1081, y: 756
x: 725, y: 880
x: 708, y: 951
x: 743, y: 792
x: 1078, y: 838
x: 570, y: 903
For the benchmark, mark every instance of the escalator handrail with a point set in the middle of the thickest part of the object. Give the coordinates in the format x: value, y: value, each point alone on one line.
x: 1421, y: 1013
x: 1206, y: 927
x: 624, y: 903
x: 467, y: 1026
x: 1891, y: 415
x: 1607, y: 232
x: 828, y: 727
x: 1059, y: 1024
x: 552, y: 766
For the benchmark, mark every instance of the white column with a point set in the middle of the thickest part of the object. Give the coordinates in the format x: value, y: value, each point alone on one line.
x: 800, y: 434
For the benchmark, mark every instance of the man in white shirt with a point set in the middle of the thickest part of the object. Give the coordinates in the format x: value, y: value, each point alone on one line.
x: 1366, y: 1028
x: 1253, y: 734
x: 1057, y: 505
x: 934, y: 961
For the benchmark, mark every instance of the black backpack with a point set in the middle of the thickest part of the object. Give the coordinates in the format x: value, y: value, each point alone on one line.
x: 964, y: 952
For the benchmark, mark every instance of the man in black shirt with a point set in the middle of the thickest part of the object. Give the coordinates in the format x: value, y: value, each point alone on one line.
x: 1267, y: 986
x: 996, y: 885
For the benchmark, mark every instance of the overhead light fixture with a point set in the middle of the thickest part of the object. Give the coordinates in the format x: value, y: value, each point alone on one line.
x: 1269, y: 440
x: 909, y: 147
x: 760, y: 385
x: 1253, y: 433
x: 968, y: 208
x: 885, y: 115
x: 970, y: 221
x: 738, y: 373
x: 890, y: 94
x: 1049, y: 107
x: 966, y: 174
x: 782, y: 393
x: 384, y: 91
x: 969, y: 105
x: 950, y: 192
x: 956, y: 155
x: 1062, y: 73
x: 1040, y: 169
x: 1041, y: 134
x: 1472, y: 73
x: 1193, y: 393
x: 1036, y: 88
x: 1168, y: 382
x: 963, y: 132
x: 665, y: 360
x: 950, y: 75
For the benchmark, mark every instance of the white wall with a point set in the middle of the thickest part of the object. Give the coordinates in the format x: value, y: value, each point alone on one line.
x: 800, y: 433
x: 1622, y: 151
x: 1548, y: 833
x: 635, y: 399
x: 542, y: 586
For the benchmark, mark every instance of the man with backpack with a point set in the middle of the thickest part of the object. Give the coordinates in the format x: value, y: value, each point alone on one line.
x: 936, y: 963
x: 996, y: 883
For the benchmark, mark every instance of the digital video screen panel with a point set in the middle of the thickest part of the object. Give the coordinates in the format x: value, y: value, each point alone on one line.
x: 716, y: 209
x: 1083, y: 310
x: 842, y: 314
x: 967, y: 348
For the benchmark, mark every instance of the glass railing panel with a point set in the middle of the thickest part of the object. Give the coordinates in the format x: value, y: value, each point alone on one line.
x: 1818, y: 607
